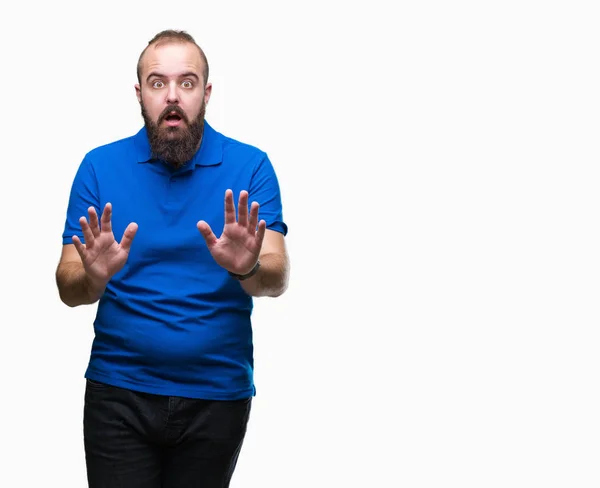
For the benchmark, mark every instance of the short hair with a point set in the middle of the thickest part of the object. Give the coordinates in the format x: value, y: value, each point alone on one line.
x: 169, y: 36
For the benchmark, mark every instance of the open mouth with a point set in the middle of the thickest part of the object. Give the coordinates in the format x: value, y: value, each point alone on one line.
x: 173, y: 119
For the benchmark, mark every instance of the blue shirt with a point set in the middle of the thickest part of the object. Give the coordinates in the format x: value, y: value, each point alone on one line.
x: 172, y: 321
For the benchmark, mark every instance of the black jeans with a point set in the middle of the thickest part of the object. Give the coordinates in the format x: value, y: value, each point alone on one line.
x: 138, y: 440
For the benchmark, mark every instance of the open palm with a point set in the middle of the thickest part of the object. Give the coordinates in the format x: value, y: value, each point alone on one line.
x: 102, y: 255
x: 238, y: 248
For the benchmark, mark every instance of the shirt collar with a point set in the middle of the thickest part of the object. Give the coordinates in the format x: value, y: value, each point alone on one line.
x: 209, y: 154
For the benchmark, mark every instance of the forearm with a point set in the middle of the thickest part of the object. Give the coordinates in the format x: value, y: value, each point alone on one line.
x: 74, y: 286
x: 271, y: 280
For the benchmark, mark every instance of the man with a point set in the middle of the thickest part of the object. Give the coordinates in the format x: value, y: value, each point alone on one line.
x: 170, y: 377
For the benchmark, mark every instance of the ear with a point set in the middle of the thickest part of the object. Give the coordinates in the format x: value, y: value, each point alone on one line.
x: 138, y: 92
x: 207, y: 93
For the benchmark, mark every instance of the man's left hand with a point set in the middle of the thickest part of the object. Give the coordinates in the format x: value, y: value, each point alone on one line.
x: 238, y: 248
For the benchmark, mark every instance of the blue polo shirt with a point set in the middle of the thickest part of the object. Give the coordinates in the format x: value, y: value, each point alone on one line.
x: 172, y: 321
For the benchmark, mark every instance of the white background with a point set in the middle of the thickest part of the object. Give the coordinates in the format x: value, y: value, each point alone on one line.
x: 439, y: 170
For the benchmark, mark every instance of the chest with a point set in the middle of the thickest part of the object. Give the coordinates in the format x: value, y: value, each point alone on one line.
x: 167, y: 207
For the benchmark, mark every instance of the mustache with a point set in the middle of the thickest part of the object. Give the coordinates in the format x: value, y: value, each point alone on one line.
x: 170, y: 110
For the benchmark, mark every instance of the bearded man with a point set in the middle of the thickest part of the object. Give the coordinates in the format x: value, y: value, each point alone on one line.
x: 169, y: 382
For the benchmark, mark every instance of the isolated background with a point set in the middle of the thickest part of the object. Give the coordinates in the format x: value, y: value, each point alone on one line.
x: 439, y: 170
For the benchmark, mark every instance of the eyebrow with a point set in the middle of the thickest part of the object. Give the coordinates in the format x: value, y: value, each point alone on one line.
x: 189, y: 74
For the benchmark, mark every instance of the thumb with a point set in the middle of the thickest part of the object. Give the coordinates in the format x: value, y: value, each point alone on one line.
x: 128, y: 236
x: 207, y: 233
x: 79, y: 246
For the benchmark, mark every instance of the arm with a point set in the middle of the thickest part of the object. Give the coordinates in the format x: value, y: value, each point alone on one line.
x: 272, y: 277
x: 74, y: 285
x: 84, y: 270
x: 243, y: 242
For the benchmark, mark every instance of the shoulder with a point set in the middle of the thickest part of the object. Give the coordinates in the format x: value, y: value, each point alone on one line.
x: 112, y: 151
x: 238, y: 149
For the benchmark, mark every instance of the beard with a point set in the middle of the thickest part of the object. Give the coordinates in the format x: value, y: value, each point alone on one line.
x: 175, y: 145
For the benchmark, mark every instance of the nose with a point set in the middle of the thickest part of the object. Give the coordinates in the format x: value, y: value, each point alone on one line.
x: 172, y: 94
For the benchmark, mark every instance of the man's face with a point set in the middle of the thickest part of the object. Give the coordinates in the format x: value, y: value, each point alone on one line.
x: 173, y: 100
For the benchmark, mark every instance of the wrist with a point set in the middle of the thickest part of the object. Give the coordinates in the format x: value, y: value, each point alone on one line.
x: 95, y: 288
x: 243, y: 277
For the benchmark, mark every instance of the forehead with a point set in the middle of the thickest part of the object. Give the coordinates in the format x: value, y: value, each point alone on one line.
x: 172, y: 58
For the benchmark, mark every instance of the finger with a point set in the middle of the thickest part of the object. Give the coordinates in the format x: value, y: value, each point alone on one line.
x: 243, y: 208
x: 260, y: 234
x: 229, y: 208
x: 79, y: 246
x: 253, y: 217
x: 207, y: 233
x: 128, y: 236
x: 94, y: 221
x: 88, y: 235
x: 106, y: 218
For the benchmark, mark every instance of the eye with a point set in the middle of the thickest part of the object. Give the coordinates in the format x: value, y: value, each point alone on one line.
x: 157, y: 84
x: 187, y: 84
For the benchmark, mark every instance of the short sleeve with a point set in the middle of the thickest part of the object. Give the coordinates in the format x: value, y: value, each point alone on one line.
x: 84, y: 194
x: 264, y: 189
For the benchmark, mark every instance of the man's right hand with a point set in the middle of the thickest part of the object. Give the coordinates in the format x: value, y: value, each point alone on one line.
x: 102, y: 255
